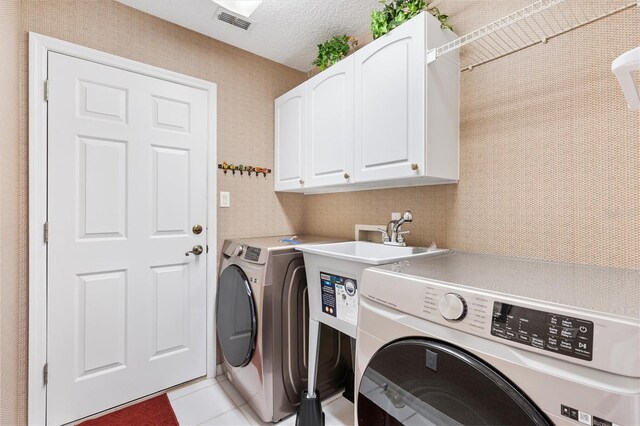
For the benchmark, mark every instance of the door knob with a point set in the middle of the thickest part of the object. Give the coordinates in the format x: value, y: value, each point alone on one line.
x: 197, y: 229
x: 196, y: 250
x: 346, y: 176
x: 414, y: 166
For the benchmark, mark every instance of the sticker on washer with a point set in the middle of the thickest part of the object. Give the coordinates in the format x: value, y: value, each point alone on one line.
x: 339, y: 297
x: 583, y: 417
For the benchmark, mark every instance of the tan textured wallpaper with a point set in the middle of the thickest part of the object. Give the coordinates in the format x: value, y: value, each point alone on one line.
x: 10, y: 270
x: 247, y: 86
x: 550, y: 158
x: 549, y: 154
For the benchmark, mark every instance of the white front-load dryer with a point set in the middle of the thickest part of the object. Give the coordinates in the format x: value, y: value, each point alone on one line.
x: 465, y: 339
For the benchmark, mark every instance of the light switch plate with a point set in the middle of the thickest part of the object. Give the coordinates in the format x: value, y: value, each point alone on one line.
x: 395, y: 216
x: 225, y: 199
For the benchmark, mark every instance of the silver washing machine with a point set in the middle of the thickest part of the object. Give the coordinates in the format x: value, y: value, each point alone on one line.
x: 262, y: 313
x: 464, y: 338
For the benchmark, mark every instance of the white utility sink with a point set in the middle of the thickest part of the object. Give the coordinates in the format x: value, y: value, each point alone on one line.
x: 334, y: 273
x: 370, y: 253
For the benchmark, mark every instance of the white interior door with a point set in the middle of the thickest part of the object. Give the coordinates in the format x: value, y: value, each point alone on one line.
x: 126, y: 184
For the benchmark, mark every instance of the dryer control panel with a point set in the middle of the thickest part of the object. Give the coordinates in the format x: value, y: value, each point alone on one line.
x: 543, y: 330
x: 572, y: 334
x: 252, y: 254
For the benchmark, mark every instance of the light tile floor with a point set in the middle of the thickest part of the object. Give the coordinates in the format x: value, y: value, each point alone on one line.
x: 216, y: 402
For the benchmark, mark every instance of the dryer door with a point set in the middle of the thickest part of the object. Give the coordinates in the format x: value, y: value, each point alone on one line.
x: 236, y: 321
x: 426, y: 382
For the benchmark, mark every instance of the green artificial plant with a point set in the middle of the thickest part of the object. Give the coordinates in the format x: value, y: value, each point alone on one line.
x: 333, y: 50
x: 396, y: 12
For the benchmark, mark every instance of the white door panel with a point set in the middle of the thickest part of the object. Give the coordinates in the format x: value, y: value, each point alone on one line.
x: 385, y: 131
x: 290, y: 145
x: 330, y: 125
x: 102, y: 182
x: 101, y: 322
x: 390, y: 104
x: 170, y: 191
x: 127, y: 181
x: 170, y: 309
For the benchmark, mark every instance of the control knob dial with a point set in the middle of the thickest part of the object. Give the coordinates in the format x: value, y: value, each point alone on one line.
x: 239, y: 250
x: 452, y: 307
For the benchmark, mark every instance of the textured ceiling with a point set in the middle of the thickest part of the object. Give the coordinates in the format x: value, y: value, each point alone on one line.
x: 285, y: 31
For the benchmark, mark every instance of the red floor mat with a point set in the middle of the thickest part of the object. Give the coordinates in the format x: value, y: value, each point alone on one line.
x: 154, y: 411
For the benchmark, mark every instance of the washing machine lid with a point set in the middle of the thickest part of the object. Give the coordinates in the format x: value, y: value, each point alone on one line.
x: 236, y: 321
x: 421, y: 381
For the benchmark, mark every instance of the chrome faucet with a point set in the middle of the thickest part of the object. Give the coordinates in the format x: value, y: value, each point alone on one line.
x: 397, y: 236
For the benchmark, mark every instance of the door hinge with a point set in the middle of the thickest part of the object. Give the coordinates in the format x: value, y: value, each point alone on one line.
x: 46, y: 90
x: 45, y: 373
x: 46, y: 232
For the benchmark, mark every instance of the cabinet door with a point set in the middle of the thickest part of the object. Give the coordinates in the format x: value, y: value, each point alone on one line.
x: 330, y: 126
x: 390, y: 104
x: 290, y: 144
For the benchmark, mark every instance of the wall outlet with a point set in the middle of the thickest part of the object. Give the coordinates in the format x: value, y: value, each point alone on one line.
x: 225, y: 199
x: 396, y: 216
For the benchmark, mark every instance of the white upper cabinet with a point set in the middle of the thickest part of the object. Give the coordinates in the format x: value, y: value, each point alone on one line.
x: 290, y: 140
x: 406, y: 113
x: 389, y: 104
x: 330, y: 126
x: 379, y: 118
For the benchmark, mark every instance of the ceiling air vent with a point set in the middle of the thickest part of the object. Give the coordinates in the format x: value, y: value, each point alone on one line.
x: 236, y: 21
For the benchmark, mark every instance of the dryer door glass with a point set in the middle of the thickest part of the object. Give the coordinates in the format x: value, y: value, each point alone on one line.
x: 236, y: 321
x: 424, y: 382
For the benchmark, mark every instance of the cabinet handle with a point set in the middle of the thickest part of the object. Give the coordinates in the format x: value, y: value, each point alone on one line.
x: 301, y: 181
x: 414, y: 166
x: 346, y: 176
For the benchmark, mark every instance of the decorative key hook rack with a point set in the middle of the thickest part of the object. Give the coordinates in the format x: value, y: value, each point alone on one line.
x: 242, y: 169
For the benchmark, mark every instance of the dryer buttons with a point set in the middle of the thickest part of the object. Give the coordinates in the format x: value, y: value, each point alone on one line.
x: 452, y: 307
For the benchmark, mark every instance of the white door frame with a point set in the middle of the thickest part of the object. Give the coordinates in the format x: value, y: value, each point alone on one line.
x: 39, y: 46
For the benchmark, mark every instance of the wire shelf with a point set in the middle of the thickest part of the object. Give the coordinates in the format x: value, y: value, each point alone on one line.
x: 534, y: 24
